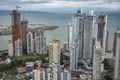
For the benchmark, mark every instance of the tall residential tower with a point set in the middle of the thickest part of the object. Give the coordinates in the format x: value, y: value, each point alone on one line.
x: 117, y: 55
x: 16, y: 27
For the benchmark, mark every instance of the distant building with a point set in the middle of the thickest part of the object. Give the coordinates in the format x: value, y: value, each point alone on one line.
x: 39, y: 74
x: 16, y: 28
x: 30, y: 42
x: 97, y: 62
x: 10, y: 48
x: 70, y: 35
x: 65, y: 46
x: 107, y: 40
x: 24, y: 26
x: 86, y: 76
x: 52, y: 72
x: 18, y: 48
x: 102, y: 30
x: 65, y: 75
x: 117, y: 55
x: 54, y: 52
x: 29, y: 66
x: 40, y: 42
x: 82, y: 35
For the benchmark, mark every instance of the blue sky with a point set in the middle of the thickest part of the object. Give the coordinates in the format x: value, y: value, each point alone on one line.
x: 61, y: 5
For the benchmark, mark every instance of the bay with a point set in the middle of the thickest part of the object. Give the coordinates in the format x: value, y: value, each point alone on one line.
x: 58, y: 19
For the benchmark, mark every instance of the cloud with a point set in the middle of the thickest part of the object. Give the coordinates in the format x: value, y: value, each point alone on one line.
x: 63, y: 4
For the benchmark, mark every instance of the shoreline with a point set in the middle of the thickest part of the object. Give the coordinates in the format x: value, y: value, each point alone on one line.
x: 30, y: 29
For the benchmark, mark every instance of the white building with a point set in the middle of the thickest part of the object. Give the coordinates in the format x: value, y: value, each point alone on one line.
x: 65, y: 75
x: 30, y: 42
x: 54, y: 52
x: 117, y: 55
x: 102, y: 30
x: 39, y: 74
x: 89, y: 35
x: 82, y: 35
x: 10, y: 48
x: 97, y: 62
x: 40, y: 42
x: 70, y: 35
x: 18, y: 48
x: 52, y: 72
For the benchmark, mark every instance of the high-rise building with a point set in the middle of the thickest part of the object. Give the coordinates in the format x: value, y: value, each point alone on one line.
x: 107, y: 40
x: 116, y: 49
x: 24, y: 26
x: 16, y: 27
x: 30, y: 42
x: 78, y: 32
x: 40, y: 42
x: 83, y: 37
x: 90, y: 29
x: 18, y: 48
x: 54, y: 52
x: 102, y: 30
x: 10, y: 48
x: 97, y: 62
x: 70, y: 33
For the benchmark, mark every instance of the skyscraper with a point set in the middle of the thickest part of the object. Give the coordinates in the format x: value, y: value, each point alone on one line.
x: 116, y: 49
x: 70, y: 33
x: 84, y: 36
x: 54, y: 52
x: 102, y: 30
x: 30, y: 42
x: 16, y: 27
x: 89, y: 39
x: 97, y: 62
x: 40, y: 42
x: 24, y: 26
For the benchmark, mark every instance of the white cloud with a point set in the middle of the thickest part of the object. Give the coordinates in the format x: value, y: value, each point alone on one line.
x: 39, y: 4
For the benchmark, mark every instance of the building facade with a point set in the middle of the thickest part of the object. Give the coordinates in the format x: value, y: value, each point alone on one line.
x: 54, y: 52
x: 97, y: 62
x: 30, y: 42
x: 16, y: 27
x: 18, y: 48
x: 24, y: 26
x: 117, y: 55
x: 102, y: 30
x: 65, y: 75
x: 82, y: 38
x: 10, y: 48
x: 39, y: 74
x: 40, y: 42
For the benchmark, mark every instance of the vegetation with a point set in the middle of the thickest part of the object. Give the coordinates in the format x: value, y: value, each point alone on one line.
x: 21, y: 61
x: 63, y: 57
x: 44, y: 28
x: 106, y: 65
x: 32, y: 29
x: 5, y: 33
x: 3, y: 56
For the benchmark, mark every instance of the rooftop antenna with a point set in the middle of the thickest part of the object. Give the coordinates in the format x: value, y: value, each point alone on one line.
x: 17, y: 7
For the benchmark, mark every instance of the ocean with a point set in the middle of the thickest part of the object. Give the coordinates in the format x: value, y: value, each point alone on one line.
x: 58, y: 19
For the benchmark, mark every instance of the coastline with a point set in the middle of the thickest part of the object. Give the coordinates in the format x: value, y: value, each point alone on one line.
x: 8, y: 32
